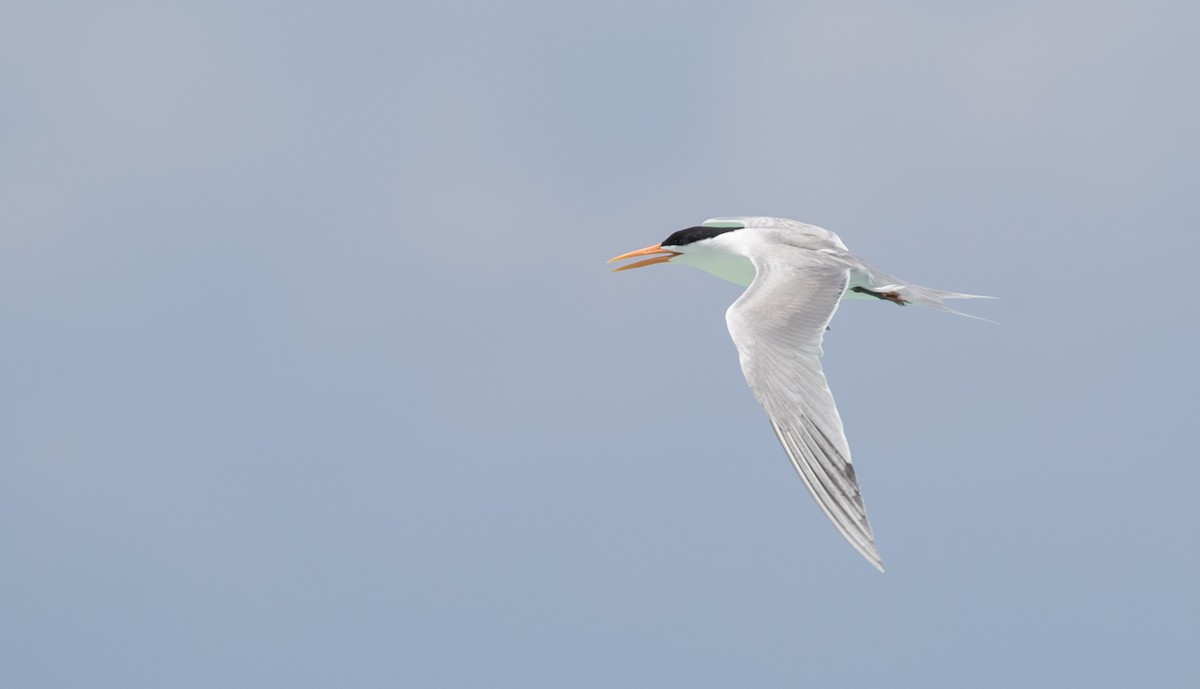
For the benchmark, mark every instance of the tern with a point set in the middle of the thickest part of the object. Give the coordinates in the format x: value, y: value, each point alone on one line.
x: 795, y: 275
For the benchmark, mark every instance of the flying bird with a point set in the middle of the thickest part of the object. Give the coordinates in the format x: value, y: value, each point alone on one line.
x: 795, y: 275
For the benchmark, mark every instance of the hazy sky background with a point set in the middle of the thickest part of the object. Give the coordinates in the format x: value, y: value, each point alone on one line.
x: 316, y: 377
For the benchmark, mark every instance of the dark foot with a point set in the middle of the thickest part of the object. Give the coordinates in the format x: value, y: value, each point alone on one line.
x: 893, y: 297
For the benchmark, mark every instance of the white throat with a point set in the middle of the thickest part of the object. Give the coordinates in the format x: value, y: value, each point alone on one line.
x: 732, y: 267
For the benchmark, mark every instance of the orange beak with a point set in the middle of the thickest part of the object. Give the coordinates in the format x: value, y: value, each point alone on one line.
x: 663, y: 255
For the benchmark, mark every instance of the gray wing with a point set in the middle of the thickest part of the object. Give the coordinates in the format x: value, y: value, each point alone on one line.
x: 777, y: 325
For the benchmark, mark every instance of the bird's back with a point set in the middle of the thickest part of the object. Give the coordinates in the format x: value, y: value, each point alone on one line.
x: 788, y: 232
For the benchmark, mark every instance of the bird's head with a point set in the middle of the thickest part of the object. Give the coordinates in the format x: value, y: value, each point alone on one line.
x: 679, y: 243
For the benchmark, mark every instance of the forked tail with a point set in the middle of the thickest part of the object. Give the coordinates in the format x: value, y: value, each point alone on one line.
x: 932, y: 298
x: 874, y: 282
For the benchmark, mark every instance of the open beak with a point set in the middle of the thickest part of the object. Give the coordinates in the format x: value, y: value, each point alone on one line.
x: 660, y: 254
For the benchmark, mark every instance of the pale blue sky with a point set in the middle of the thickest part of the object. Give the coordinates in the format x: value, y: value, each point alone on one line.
x: 316, y: 375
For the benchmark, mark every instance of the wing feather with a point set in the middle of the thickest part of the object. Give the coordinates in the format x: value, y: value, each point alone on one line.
x: 777, y: 326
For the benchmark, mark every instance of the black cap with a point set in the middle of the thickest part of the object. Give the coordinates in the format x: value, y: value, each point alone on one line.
x: 695, y: 234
